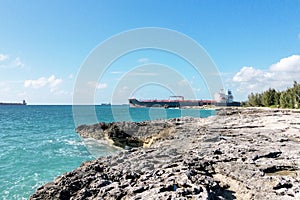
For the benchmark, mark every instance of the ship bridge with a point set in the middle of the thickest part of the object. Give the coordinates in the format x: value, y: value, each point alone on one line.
x: 176, y: 98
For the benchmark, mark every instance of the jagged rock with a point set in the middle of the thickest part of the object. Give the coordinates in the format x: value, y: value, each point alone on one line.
x: 128, y: 134
x: 239, y: 154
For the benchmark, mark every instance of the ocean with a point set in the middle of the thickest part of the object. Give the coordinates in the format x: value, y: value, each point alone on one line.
x: 39, y: 143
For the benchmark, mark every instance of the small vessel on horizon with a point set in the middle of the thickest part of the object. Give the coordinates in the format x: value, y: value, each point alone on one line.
x: 105, y: 104
x: 14, y: 104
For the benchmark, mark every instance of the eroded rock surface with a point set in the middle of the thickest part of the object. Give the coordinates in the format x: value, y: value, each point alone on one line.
x: 239, y: 154
x: 129, y: 134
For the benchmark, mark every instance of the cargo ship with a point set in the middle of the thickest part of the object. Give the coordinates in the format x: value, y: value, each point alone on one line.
x: 221, y: 99
x: 14, y: 104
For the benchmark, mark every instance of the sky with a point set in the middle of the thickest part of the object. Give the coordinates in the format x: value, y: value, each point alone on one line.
x: 255, y: 45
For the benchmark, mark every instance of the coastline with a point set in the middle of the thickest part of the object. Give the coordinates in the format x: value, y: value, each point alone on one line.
x: 242, y: 153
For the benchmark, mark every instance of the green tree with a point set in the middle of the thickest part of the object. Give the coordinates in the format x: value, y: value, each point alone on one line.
x: 283, y: 100
x: 255, y: 99
x: 258, y: 99
x: 290, y: 98
x: 287, y: 99
x: 251, y: 99
x: 268, y: 97
x: 277, y: 98
x: 296, y: 91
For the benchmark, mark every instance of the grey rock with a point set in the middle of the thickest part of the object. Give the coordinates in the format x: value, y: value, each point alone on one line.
x: 241, y: 153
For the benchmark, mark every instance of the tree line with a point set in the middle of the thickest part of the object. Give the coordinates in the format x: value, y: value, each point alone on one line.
x: 289, y: 98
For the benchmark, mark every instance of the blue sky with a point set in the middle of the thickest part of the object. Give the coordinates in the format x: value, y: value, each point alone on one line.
x: 43, y: 44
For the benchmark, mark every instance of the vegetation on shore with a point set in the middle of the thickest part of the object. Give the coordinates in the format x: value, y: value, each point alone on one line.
x: 289, y: 98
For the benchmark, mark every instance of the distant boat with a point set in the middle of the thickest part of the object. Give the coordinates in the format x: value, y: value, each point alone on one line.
x: 14, y: 104
x: 105, y: 104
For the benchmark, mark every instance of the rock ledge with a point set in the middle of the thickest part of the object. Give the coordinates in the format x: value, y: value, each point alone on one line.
x: 239, y: 154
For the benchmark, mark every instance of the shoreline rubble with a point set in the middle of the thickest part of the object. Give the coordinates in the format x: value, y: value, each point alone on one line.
x: 242, y: 153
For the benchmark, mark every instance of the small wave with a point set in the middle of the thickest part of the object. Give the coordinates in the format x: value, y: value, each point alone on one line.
x: 99, y: 148
x: 74, y: 142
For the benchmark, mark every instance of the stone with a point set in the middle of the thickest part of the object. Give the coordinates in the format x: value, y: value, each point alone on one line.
x: 242, y: 153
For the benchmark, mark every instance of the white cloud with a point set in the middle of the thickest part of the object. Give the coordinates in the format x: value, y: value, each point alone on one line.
x: 71, y: 76
x: 41, y: 82
x: 96, y: 85
x: 3, y: 57
x: 183, y: 83
x: 299, y: 36
x: 18, y: 63
x: 250, y: 74
x: 289, y: 64
x: 143, y: 60
x: 101, y: 86
x: 52, y: 82
x: 279, y: 76
x: 10, y: 63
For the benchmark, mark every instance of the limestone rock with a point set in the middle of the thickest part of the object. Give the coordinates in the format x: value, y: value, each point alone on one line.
x: 238, y: 154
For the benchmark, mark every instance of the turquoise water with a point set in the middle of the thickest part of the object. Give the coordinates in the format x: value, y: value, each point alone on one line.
x: 38, y: 143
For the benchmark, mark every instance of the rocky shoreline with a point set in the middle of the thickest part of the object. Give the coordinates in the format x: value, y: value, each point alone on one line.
x: 239, y: 154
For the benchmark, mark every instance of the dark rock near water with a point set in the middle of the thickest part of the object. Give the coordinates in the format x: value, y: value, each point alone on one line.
x: 239, y: 154
x: 128, y: 134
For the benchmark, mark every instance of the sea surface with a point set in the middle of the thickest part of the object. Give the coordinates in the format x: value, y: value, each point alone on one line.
x: 38, y: 143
